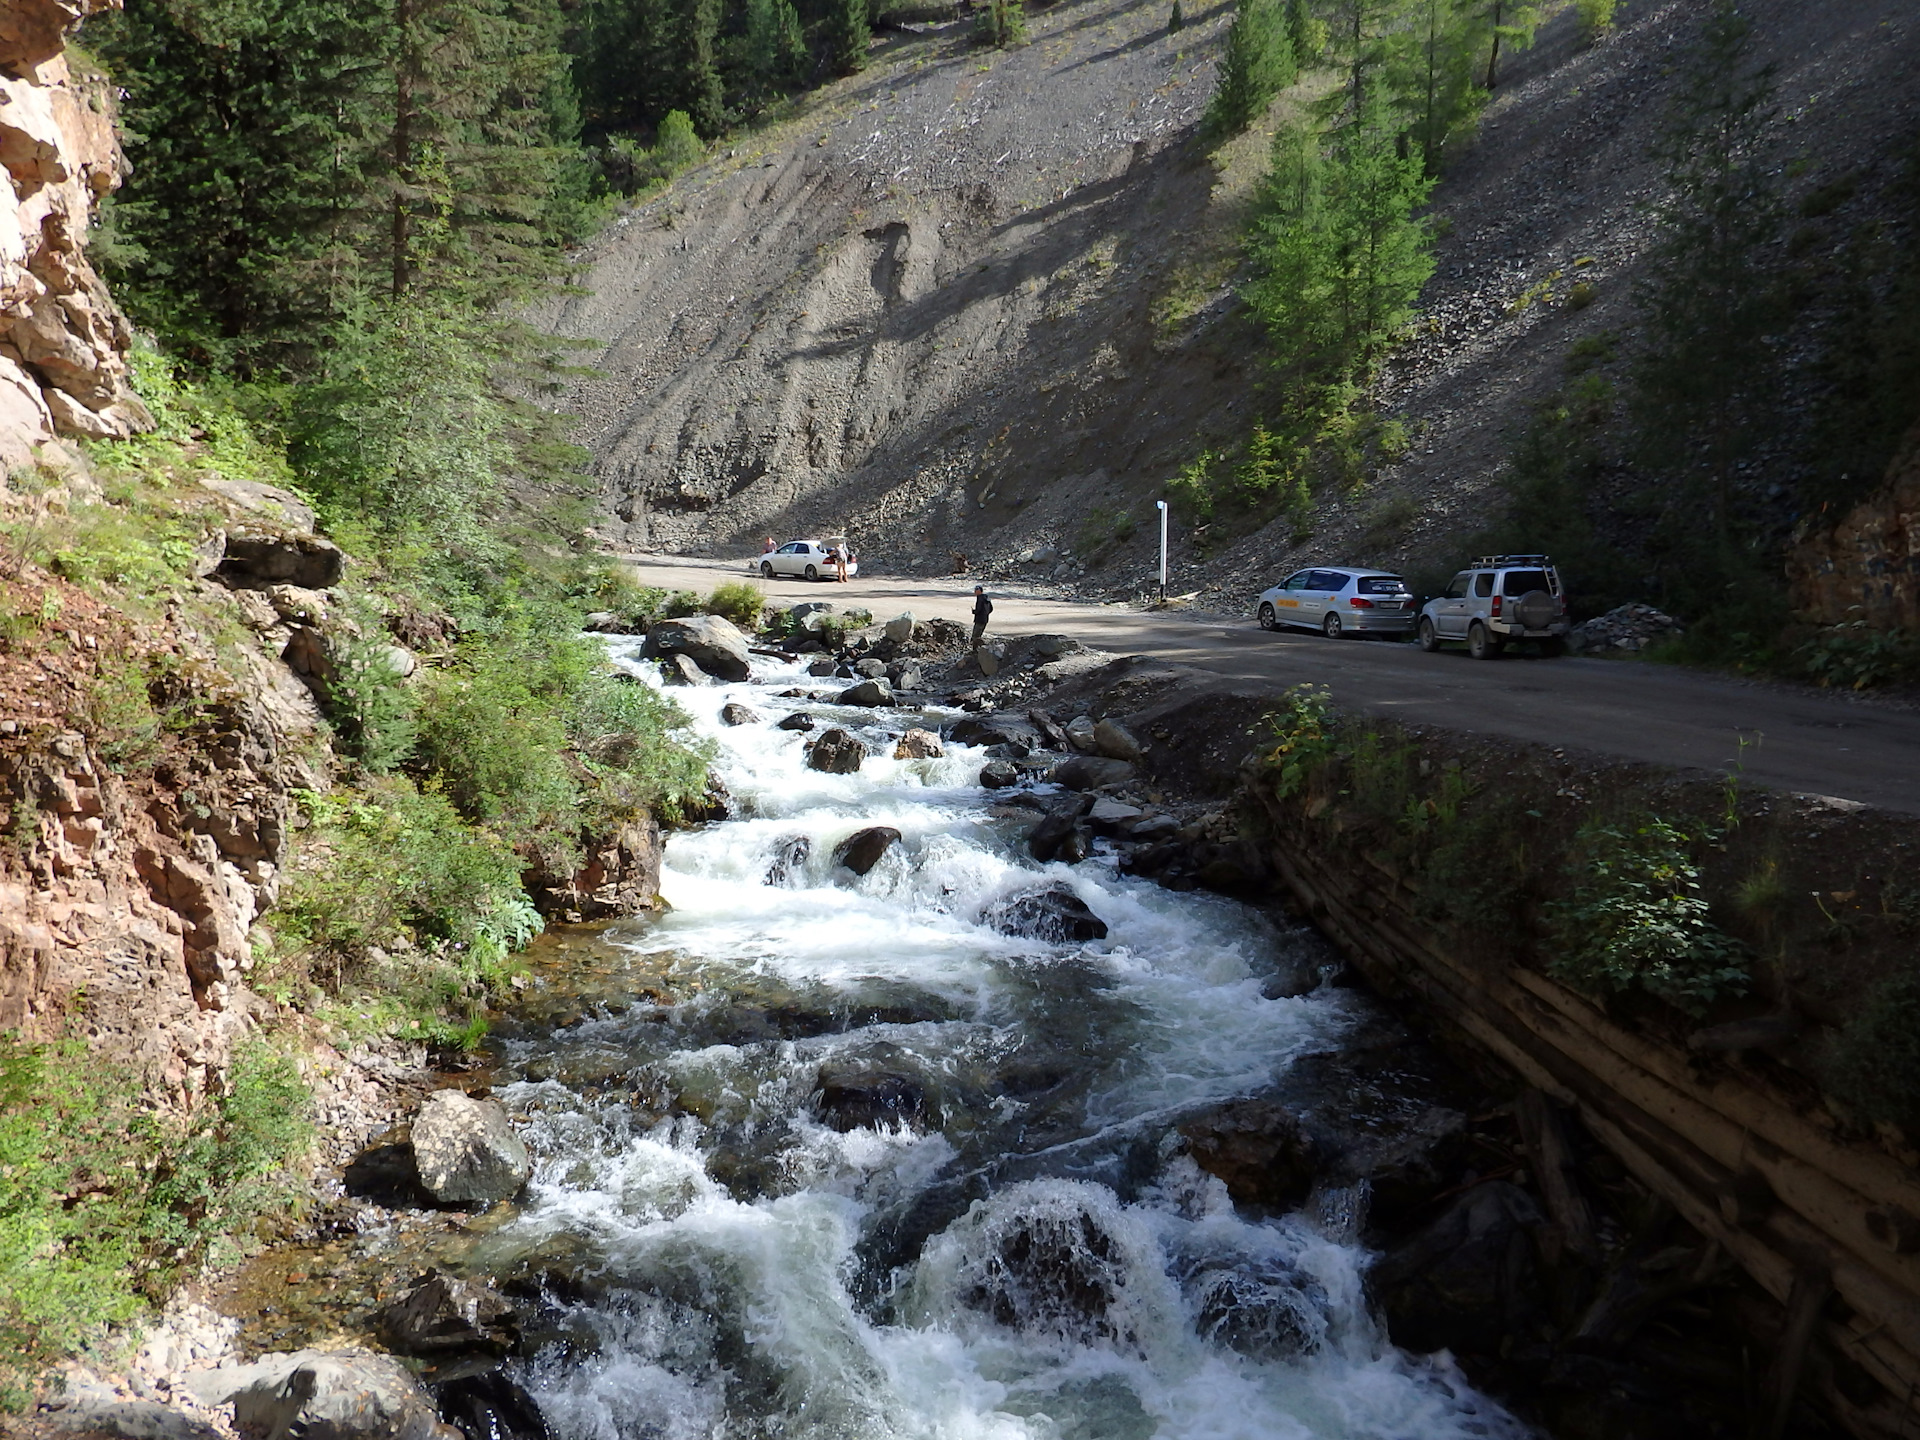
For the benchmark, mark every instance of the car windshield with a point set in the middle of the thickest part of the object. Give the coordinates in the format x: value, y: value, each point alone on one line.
x: 1381, y: 585
x: 1523, y: 582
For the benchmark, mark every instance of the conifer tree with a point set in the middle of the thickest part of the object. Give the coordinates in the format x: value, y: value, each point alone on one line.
x: 846, y: 34
x: 1175, y: 20
x: 1307, y: 34
x: 1435, y: 69
x: 1256, y: 66
x: 1511, y: 22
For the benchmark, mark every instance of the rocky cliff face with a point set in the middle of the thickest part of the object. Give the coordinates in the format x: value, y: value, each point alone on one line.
x: 63, y: 342
x: 1868, y: 566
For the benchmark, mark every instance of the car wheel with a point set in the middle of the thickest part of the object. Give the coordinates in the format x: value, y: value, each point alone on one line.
x: 1330, y: 627
x: 812, y: 573
x: 766, y: 569
x: 1427, y: 636
x: 1268, y: 620
x: 1482, y: 643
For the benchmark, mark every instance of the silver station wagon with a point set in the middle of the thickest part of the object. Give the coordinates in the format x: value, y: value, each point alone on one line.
x: 1340, y: 600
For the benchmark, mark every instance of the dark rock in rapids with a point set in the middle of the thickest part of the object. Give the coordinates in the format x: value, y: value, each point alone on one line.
x: 1051, y: 731
x: 683, y: 670
x: 466, y: 1149
x: 443, y: 1314
x: 836, y: 752
x: 1060, y: 836
x: 1470, y: 1280
x: 1055, y: 915
x: 798, y: 720
x: 1260, y: 1150
x: 325, y: 1395
x: 998, y: 775
x: 862, y: 850
x: 824, y: 666
x: 489, y: 1406
x: 853, y: 1097
x: 1058, y: 1274
x: 789, y: 860
x: 1262, y: 1308
x: 734, y: 713
x: 869, y: 693
x: 1075, y: 846
x: 710, y: 641
x: 1091, y: 772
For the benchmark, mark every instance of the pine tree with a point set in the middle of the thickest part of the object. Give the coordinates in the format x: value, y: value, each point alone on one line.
x: 1512, y: 22
x: 1257, y: 65
x: 1307, y: 34
x: 1705, y: 385
x: 846, y: 34
x: 1175, y: 20
x: 1002, y: 23
x: 1435, y: 71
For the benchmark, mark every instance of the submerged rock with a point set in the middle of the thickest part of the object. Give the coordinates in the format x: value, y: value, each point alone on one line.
x: 466, y: 1149
x: 1055, y: 915
x: 862, y: 850
x: 1260, y: 1308
x: 444, y: 1314
x: 850, y: 1096
x: 789, y: 860
x: 836, y: 752
x: 1259, y: 1149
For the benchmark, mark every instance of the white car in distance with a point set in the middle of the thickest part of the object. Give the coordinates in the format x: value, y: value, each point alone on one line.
x: 806, y: 560
x: 1340, y: 600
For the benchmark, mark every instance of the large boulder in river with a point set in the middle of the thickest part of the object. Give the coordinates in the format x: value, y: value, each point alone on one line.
x: 872, y: 693
x: 734, y: 713
x: 919, y: 745
x: 466, y: 1149
x: 324, y: 1395
x: 681, y: 670
x: 1090, y: 772
x: 710, y: 641
x: 1261, y: 1150
x: 1054, y: 914
x: 861, y: 851
x: 837, y: 752
x: 443, y: 1314
x: 999, y: 775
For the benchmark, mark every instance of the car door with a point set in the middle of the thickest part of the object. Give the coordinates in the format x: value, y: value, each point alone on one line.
x: 1328, y: 591
x: 786, y: 560
x: 1450, y: 615
x: 1287, y: 603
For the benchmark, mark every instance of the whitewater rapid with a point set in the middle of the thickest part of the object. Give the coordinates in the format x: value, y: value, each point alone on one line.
x: 1037, y: 1259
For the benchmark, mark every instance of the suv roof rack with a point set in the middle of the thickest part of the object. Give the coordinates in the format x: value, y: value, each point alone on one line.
x: 1493, y: 561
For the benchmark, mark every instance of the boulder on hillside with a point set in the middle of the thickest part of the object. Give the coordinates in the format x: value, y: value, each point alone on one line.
x: 282, y: 507
x: 255, y: 557
x: 710, y: 641
x: 1090, y: 772
x: 1260, y: 1149
x: 1054, y: 914
x: 872, y: 669
x: 1054, y: 646
x: 682, y: 670
x: 836, y: 752
x: 861, y: 851
x: 1111, y: 817
x: 919, y: 745
x: 324, y: 1395
x: 900, y: 628
x: 734, y: 713
x: 1116, y: 742
x: 1080, y: 733
x: 443, y: 1314
x: 466, y: 1150
x: 989, y: 659
x: 869, y: 693
x: 906, y: 675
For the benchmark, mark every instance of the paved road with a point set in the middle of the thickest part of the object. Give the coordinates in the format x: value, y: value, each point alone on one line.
x: 1806, y: 742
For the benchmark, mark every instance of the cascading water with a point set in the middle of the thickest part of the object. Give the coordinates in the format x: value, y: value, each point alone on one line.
x: 891, y: 1172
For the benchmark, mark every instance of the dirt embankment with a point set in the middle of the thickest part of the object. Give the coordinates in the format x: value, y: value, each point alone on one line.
x: 982, y: 302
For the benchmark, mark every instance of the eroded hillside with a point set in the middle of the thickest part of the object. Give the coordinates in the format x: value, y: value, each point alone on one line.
x: 983, y: 301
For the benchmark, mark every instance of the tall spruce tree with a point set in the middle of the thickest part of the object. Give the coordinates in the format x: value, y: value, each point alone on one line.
x: 1307, y: 34
x: 845, y: 33
x: 1435, y: 68
x: 1706, y: 381
x: 1257, y: 64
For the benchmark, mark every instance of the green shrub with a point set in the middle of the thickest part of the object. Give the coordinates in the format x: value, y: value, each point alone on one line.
x: 493, y: 737
x: 120, y: 715
x: 1002, y: 23
x: 371, y: 708
x: 1304, y: 737
x: 1637, y: 919
x: 1858, y: 657
x: 678, y: 145
x: 739, y: 601
x: 1873, y: 1064
x: 100, y: 1203
x: 1595, y: 16
x: 679, y: 604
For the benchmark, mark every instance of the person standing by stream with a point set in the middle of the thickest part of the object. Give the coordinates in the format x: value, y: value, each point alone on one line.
x: 982, y: 609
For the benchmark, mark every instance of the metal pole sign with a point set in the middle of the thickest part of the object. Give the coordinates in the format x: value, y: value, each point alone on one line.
x: 1163, y: 547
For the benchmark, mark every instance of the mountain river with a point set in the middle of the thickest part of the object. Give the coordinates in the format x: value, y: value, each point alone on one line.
x: 1012, y: 1244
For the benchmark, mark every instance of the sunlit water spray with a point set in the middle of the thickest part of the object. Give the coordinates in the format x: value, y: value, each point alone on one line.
x: 1017, y: 1249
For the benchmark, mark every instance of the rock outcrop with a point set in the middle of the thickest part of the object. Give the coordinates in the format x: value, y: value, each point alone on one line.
x: 63, y: 342
x: 1867, y: 567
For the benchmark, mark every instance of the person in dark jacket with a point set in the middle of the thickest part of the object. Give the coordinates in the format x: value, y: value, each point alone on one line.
x: 982, y: 608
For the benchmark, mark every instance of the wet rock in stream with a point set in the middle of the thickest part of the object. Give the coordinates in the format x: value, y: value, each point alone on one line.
x: 852, y: 1095
x: 466, y: 1149
x: 443, y: 1314
x: 1474, y: 1271
x: 1055, y: 915
x: 331, y: 1395
x: 1262, y: 1308
x: 861, y: 851
x: 1259, y: 1150
x: 789, y: 863
x: 836, y: 751
x: 489, y: 1406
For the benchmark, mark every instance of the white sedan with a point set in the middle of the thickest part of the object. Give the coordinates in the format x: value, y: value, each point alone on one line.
x: 807, y: 559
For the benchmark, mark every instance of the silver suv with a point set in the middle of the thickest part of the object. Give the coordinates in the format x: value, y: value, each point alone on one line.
x: 1495, y: 600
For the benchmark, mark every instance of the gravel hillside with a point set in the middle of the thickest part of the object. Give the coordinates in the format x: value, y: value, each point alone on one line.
x: 982, y: 302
